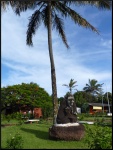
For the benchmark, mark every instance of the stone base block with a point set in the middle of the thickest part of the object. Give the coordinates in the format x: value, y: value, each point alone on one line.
x: 67, y: 133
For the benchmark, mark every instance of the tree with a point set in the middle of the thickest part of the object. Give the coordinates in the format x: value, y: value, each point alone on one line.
x: 71, y: 85
x: 93, y: 87
x: 47, y: 12
x: 81, y: 97
x: 26, y: 94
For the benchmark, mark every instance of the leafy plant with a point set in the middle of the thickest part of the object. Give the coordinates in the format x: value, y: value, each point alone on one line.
x: 15, y: 142
x: 71, y: 85
x: 81, y: 116
x: 99, y: 137
x: 8, y: 117
x: 2, y: 117
x: 19, y: 118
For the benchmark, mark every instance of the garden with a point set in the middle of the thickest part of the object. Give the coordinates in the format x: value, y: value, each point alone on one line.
x: 16, y: 134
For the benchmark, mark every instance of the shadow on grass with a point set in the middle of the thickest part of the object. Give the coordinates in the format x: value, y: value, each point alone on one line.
x: 38, y: 133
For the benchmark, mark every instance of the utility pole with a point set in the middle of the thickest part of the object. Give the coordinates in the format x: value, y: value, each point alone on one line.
x: 102, y: 105
x: 108, y: 102
x: 107, y: 98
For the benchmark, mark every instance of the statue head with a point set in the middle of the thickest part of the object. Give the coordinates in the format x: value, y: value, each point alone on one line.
x: 70, y: 100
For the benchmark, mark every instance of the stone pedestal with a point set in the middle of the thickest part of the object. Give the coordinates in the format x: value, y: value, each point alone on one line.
x: 67, y: 132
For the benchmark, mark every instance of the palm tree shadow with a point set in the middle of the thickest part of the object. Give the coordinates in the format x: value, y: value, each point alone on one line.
x: 38, y: 133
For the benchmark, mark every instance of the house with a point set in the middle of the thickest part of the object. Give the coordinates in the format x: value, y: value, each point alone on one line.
x: 98, y: 107
x: 36, y: 112
x: 78, y: 110
x: 25, y: 110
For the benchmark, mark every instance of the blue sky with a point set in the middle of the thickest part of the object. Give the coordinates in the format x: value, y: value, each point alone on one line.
x: 89, y: 56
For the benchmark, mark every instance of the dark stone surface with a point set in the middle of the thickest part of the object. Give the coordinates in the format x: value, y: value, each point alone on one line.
x: 67, y: 112
x: 67, y: 133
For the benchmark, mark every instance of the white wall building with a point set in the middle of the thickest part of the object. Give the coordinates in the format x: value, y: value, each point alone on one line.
x: 78, y: 110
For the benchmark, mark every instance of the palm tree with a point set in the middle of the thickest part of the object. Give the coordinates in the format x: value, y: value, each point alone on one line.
x: 48, y: 12
x: 71, y: 85
x: 93, y: 87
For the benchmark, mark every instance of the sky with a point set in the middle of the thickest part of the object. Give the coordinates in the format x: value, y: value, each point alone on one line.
x: 89, y: 56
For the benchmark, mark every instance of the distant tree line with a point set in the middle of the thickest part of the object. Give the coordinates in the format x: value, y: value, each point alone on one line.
x: 91, y: 93
x: 34, y: 96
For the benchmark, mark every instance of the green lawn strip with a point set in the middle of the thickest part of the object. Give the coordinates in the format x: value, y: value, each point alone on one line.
x: 12, y: 121
x: 93, y: 118
x: 36, y: 136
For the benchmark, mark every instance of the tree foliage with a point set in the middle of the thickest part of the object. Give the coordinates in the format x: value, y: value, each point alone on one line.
x: 82, y: 97
x: 26, y: 94
x: 93, y: 87
x: 105, y: 98
x: 71, y: 85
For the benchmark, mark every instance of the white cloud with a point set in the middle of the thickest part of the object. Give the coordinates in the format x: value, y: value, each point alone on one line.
x: 106, y: 43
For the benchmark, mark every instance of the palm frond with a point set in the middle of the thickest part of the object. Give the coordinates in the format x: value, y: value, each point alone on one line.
x: 61, y: 8
x: 59, y: 25
x: 65, y: 85
x: 93, y: 87
x: 80, y: 20
x: 68, y: 12
x: 19, y: 6
x: 74, y: 86
x: 4, y: 4
x: 44, y: 15
x: 85, y: 88
x: 87, y: 84
x: 34, y: 23
x: 71, y: 85
x: 74, y: 82
x: 102, y: 4
x: 22, y: 6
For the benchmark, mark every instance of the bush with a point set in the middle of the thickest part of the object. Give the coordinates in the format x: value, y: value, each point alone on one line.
x: 99, y: 137
x: 18, y: 116
x: 2, y: 117
x: 81, y: 117
x: 8, y: 118
x: 15, y: 142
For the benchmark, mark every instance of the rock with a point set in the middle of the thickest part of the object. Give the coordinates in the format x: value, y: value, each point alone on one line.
x: 72, y: 132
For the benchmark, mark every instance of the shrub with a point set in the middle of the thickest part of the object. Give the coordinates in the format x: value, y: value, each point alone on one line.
x: 15, y: 142
x: 99, y: 137
x: 81, y: 117
x: 2, y: 117
x: 18, y: 116
x: 8, y: 118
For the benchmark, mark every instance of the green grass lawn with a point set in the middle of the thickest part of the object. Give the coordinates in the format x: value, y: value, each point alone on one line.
x: 84, y: 117
x: 36, y: 136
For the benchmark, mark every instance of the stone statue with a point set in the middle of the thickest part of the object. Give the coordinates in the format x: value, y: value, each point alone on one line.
x: 66, y: 127
x: 67, y: 112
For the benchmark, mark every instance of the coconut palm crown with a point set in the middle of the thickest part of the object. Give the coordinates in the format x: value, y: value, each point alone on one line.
x: 93, y: 87
x: 71, y: 85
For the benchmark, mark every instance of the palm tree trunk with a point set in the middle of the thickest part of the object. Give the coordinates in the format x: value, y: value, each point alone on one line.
x: 53, y: 74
